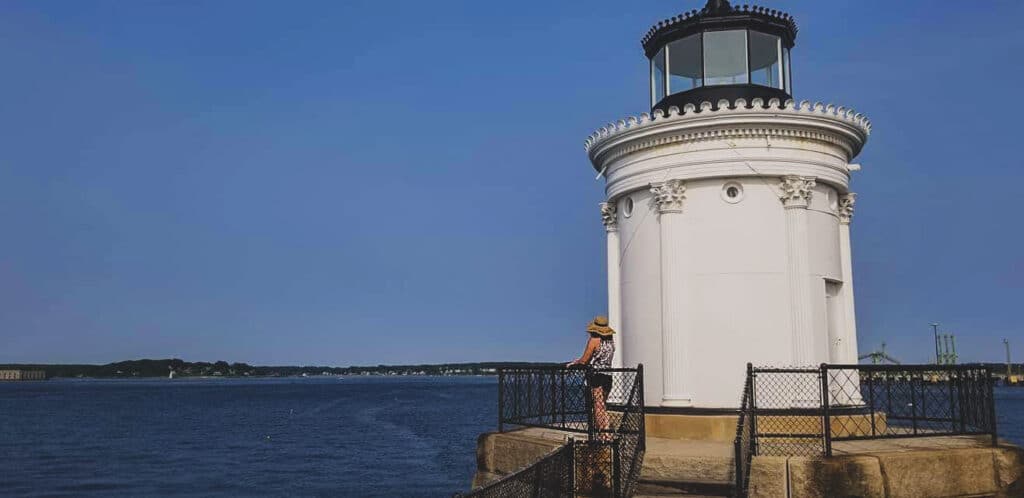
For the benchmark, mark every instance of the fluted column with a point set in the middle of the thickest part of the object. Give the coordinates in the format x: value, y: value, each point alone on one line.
x: 796, y: 197
x: 849, y: 338
x: 611, y: 228
x: 669, y: 196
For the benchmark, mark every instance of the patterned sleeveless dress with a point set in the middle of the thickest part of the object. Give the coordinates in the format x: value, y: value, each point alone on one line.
x: 602, y: 358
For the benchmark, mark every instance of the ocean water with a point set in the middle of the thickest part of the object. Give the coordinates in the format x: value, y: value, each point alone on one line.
x: 355, y: 436
x: 1010, y: 414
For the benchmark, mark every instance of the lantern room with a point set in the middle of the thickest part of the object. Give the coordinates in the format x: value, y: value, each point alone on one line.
x: 720, y: 52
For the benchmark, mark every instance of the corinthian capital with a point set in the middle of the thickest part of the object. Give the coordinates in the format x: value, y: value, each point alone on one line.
x: 669, y: 195
x: 796, y: 191
x: 846, y: 203
x: 608, y: 216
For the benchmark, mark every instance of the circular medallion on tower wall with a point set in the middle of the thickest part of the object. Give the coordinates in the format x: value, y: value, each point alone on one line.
x: 732, y: 192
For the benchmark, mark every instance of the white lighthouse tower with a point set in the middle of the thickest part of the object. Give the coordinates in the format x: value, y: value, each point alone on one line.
x: 728, y: 211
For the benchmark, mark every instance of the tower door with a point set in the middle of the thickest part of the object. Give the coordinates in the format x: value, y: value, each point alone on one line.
x: 834, y: 317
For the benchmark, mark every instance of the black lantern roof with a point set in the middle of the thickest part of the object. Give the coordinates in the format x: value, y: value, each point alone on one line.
x: 719, y: 14
x: 720, y: 52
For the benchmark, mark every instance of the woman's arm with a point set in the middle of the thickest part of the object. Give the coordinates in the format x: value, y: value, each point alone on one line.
x: 592, y: 345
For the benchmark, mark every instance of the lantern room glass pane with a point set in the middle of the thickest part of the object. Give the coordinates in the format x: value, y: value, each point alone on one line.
x: 765, y: 59
x: 725, y: 57
x: 658, y: 89
x: 684, y: 65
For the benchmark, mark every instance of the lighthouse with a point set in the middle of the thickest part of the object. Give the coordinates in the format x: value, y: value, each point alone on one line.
x: 728, y: 211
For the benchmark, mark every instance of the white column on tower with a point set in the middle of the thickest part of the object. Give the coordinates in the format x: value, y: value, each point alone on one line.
x: 669, y: 196
x: 849, y: 339
x: 611, y: 228
x: 796, y: 197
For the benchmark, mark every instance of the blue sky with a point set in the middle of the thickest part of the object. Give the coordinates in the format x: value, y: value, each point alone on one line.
x: 364, y: 182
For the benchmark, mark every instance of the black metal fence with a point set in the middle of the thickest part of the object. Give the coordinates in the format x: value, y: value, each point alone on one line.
x: 743, y: 445
x: 552, y: 397
x: 906, y: 401
x: 805, y: 411
x: 786, y: 411
x: 606, y: 463
x: 550, y: 477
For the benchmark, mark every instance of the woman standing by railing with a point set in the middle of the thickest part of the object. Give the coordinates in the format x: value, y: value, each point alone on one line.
x: 598, y: 354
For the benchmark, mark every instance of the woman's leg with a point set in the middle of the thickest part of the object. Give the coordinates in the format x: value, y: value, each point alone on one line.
x: 601, y: 413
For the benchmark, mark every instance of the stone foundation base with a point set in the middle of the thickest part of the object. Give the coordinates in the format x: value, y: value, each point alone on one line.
x: 940, y: 467
x: 931, y: 467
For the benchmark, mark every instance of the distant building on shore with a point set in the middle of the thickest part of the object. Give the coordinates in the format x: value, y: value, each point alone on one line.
x: 12, y: 375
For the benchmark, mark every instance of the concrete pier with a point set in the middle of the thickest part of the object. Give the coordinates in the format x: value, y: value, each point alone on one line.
x: 693, y: 456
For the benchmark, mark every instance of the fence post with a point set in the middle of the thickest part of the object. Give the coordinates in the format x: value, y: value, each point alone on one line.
x: 962, y: 398
x: 924, y: 396
x: 952, y: 401
x: 501, y: 400
x: 871, y: 400
x: 590, y: 405
x: 514, y: 385
x: 642, y: 408
x: 554, y: 406
x: 913, y: 404
x: 572, y: 467
x: 752, y: 409
x: 529, y: 393
x: 827, y: 419
x: 561, y: 374
x: 991, y: 405
x: 888, y: 394
x: 738, y: 456
x: 616, y: 470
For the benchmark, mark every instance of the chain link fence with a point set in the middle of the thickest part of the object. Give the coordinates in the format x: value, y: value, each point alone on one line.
x: 875, y: 401
x: 803, y: 411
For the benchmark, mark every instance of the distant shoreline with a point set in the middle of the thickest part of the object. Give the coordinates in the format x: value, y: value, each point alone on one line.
x: 163, y: 368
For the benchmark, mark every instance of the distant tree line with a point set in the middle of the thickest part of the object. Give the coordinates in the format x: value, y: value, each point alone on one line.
x: 181, y: 368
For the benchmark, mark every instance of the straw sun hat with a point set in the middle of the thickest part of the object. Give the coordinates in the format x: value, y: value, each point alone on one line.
x: 600, y: 326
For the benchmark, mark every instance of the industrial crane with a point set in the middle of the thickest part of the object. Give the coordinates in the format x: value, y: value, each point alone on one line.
x: 879, y: 356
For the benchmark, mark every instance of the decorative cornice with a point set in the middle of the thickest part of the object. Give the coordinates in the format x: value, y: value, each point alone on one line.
x: 846, y: 203
x: 669, y: 195
x: 845, y: 126
x: 608, y: 211
x: 720, y: 9
x: 796, y: 191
